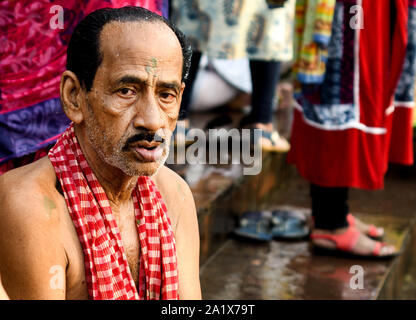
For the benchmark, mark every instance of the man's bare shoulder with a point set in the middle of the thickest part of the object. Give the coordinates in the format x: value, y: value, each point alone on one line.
x: 30, y: 233
x: 181, y: 208
x: 28, y: 193
x: 176, y: 193
x: 168, y: 179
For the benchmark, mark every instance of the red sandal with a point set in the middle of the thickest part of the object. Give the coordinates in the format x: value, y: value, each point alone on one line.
x: 372, y: 231
x: 346, y: 242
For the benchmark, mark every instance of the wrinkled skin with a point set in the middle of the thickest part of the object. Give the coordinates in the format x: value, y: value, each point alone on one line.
x: 135, y: 90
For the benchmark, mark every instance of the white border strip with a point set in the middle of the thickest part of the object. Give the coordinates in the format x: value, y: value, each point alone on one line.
x: 351, y: 125
x: 390, y: 110
x: 357, y: 70
x: 404, y: 104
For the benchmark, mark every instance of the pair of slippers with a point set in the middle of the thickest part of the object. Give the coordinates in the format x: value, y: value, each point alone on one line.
x: 277, y: 224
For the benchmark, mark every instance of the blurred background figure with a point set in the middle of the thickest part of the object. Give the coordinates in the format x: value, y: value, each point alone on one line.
x: 259, y: 30
x: 342, y: 135
x: 229, y: 79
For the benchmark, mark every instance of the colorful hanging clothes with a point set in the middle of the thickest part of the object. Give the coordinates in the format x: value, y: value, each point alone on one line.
x: 401, y: 149
x: 313, y: 24
x: 32, y: 59
x: 234, y: 29
x: 107, y: 270
x: 341, y: 131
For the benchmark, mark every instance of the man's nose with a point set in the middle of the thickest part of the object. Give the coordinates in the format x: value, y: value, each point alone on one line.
x: 148, y: 114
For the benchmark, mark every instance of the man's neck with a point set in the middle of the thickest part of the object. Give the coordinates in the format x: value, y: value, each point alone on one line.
x: 117, y: 185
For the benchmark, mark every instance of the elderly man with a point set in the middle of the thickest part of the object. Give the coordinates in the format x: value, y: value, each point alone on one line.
x: 101, y: 217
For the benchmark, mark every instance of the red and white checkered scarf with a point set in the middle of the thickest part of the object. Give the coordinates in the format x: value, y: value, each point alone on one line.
x: 106, y: 267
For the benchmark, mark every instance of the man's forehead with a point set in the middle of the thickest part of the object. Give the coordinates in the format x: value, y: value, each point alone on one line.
x: 139, y: 40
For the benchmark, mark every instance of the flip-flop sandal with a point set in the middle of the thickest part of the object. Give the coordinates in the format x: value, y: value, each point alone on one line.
x: 254, y: 226
x: 373, y: 231
x: 290, y: 225
x: 274, y: 139
x: 346, y: 242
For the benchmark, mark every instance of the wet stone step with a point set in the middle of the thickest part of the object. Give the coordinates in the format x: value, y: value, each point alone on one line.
x: 232, y: 269
x: 290, y: 270
x: 222, y: 192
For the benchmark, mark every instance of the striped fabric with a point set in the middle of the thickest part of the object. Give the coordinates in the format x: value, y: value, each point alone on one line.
x: 313, y: 23
x: 342, y: 128
x: 106, y: 268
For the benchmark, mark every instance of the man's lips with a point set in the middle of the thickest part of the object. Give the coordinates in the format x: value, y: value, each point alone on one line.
x: 149, y: 153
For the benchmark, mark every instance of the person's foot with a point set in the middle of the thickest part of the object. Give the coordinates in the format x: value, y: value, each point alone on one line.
x: 359, y: 244
x: 368, y: 229
x: 270, y: 139
x: 275, y: 143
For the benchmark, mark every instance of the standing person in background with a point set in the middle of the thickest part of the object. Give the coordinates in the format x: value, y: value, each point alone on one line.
x: 261, y: 30
x: 348, y: 71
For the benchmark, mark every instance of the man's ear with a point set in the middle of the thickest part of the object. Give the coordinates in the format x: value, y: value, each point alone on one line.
x: 72, y: 96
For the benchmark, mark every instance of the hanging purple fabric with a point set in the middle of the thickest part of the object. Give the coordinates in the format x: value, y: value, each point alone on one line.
x: 32, y: 58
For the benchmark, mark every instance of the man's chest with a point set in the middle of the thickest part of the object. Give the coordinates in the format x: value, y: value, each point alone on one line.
x: 76, y: 286
x: 131, y: 243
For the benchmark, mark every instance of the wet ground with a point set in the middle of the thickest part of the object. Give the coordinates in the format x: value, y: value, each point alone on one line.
x: 235, y: 269
x: 290, y: 270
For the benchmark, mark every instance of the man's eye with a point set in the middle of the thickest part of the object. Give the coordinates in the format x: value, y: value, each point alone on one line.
x: 167, y: 96
x: 126, y: 91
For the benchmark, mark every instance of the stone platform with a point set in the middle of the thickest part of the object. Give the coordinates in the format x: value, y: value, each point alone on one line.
x: 234, y: 269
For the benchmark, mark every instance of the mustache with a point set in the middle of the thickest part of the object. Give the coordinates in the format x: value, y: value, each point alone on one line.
x: 143, y: 136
